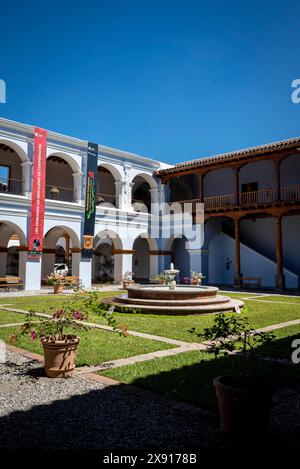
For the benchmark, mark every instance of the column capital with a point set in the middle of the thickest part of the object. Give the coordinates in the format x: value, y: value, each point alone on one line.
x: 26, y: 164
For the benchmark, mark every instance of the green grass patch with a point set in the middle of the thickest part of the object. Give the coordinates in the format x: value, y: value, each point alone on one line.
x: 281, y: 346
x: 280, y: 299
x: 10, y: 318
x: 188, y: 377
x: 96, y: 346
x: 176, y: 327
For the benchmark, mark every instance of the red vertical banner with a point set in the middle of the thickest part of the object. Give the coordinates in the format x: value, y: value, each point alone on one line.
x: 38, y: 194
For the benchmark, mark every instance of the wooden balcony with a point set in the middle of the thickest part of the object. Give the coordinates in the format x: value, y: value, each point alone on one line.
x: 260, y: 198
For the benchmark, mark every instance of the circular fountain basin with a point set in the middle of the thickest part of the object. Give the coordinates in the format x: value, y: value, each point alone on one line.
x: 185, y: 299
x: 163, y: 292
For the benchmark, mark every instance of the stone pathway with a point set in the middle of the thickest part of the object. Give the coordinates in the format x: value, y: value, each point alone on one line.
x: 49, y: 291
x: 38, y: 412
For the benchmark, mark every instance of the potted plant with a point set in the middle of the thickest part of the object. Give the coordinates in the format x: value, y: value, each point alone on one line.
x: 58, y: 333
x: 127, y: 279
x: 245, y: 398
x: 196, y: 278
x: 186, y: 280
x: 57, y: 280
x: 160, y: 278
x: 54, y: 191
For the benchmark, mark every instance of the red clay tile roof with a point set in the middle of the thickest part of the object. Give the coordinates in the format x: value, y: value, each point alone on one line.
x: 234, y: 155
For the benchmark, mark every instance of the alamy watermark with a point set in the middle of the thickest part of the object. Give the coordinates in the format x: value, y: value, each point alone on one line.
x: 295, y: 96
x: 2, y: 92
x: 296, y: 353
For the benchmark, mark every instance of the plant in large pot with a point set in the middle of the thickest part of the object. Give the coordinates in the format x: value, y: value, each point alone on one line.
x: 127, y: 279
x: 196, y: 278
x: 244, y: 397
x: 57, y: 280
x: 58, y: 333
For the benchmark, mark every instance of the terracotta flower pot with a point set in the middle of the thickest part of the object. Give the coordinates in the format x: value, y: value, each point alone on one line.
x: 60, y: 356
x: 127, y: 283
x: 58, y: 289
x: 196, y: 281
x: 244, y: 404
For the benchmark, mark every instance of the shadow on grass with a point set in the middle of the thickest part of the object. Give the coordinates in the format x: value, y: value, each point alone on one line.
x: 280, y: 347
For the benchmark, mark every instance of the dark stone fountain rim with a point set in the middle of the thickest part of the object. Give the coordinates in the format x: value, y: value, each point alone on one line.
x: 182, y: 292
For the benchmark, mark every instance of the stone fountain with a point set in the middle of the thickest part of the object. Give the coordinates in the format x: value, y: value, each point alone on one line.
x: 174, y: 299
x: 172, y: 272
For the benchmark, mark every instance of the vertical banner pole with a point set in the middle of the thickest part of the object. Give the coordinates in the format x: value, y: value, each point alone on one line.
x: 90, y: 201
x: 36, y: 233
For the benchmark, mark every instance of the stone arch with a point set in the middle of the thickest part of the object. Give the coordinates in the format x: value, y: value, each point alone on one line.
x: 218, y: 182
x: 256, y: 181
x: 107, y: 178
x: 289, y: 177
x: 7, y: 231
x: 51, y: 246
x: 17, y: 148
x: 108, y: 244
x: 67, y: 158
x: 13, y: 173
x: 144, y: 192
x: 144, y: 259
x: 63, y: 177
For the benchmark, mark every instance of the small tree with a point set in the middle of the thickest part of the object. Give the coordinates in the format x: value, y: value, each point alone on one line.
x: 233, y: 334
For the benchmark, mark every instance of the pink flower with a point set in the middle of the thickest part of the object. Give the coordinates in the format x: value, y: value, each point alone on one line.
x: 78, y: 316
x: 33, y: 335
x: 58, y: 314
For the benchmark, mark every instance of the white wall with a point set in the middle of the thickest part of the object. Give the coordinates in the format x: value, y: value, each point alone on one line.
x: 252, y: 264
x: 290, y: 171
x: 262, y: 172
x: 218, y: 182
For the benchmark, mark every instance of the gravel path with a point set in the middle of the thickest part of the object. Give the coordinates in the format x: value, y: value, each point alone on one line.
x: 49, y: 291
x: 79, y: 413
x: 38, y: 412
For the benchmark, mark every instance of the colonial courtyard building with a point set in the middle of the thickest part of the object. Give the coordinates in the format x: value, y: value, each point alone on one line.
x: 251, y: 212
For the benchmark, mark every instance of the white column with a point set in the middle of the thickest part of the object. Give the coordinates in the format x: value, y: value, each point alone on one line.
x: 120, y: 194
x: 122, y: 264
x: 82, y: 268
x: 78, y: 187
x: 153, y: 265
x: 155, y: 196
x: 33, y: 270
x: 128, y: 197
x: 27, y: 178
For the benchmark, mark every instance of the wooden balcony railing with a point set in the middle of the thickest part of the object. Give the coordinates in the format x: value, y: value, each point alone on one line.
x: 291, y: 193
x: 263, y: 196
x: 11, y: 186
x: 247, y: 199
x: 225, y: 201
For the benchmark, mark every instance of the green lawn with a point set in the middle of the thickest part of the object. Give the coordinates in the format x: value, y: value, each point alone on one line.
x: 188, y: 377
x: 10, y: 318
x: 280, y: 299
x: 95, y: 346
x: 176, y: 327
x: 281, y: 346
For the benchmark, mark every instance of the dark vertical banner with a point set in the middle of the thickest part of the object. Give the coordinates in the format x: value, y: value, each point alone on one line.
x: 90, y: 200
x: 37, y: 215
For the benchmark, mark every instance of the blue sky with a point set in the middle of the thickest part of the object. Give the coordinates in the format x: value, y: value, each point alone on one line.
x: 173, y: 80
